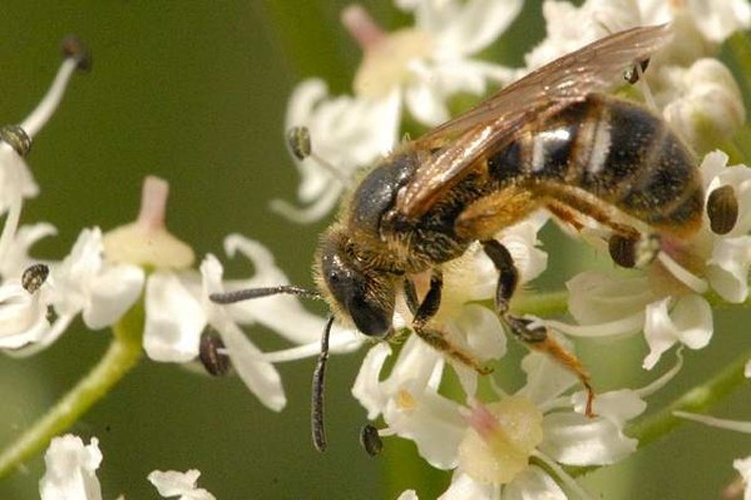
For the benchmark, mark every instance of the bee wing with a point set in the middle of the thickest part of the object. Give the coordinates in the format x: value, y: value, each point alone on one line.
x: 597, y: 66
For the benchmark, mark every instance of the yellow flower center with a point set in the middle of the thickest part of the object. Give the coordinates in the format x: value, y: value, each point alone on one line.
x: 386, y: 64
x: 500, y: 440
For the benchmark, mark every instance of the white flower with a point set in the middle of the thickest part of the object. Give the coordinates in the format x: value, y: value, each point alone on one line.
x: 490, y: 445
x: 665, y: 301
x: 433, y: 60
x: 182, y: 484
x: 71, y: 470
x: 346, y: 134
x: 702, y: 102
x: 697, y: 95
x: 16, y: 180
x: 420, y: 67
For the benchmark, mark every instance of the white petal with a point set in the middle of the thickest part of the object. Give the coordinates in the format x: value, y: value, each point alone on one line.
x: 71, y: 470
x: 546, y: 378
x: 183, y: 484
x: 112, y: 292
x: 426, y: 104
x: 16, y: 258
x: 601, y: 298
x: 532, y: 484
x: 283, y: 314
x: 367, y: 389
x: 616, y: 406
x: 573, y: 439
x: 174, y: 320
x: 463, y: 487
x: 475, y: 25
x: 408, y: 495
x: 728, y: 268
x: 743, y: 466
x: 689, y: 321
x: 22, y: 317
x: 259, y: 376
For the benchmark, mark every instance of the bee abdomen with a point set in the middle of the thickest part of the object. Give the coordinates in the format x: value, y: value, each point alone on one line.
x: 617, y: 151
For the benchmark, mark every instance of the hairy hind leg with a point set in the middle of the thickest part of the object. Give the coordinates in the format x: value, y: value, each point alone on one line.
x: 534, y: 337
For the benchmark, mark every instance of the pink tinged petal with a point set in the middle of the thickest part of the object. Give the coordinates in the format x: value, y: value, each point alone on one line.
x: 112, y: 292
x: 573, y: 439
x: 259, y: 376
x: 688, y: 321
x: 71, y: 470
x: 533, y: 484
x: 174, y: 320
x: 22, y: 317
x: 182, y: 484
x: 728, y: 268
x: 463, y: 487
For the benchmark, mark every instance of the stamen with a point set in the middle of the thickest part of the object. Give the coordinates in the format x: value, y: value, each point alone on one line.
x: 300, y: 145
x: 720, y: 423
x: 692, y: 281
x: 76, y: 59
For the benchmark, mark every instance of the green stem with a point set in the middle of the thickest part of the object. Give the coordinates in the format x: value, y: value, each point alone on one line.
x: 121, y: 356
x: 696, y: 399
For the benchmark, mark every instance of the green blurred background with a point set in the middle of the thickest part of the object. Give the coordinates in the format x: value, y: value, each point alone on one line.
x: 195, y: 92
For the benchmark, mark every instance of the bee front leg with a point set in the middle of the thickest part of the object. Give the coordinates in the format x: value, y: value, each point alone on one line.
x: 434, y: 337
x: 534, y: 337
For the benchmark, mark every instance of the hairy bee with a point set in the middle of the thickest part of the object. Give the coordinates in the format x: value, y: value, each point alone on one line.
x: 549, y: 141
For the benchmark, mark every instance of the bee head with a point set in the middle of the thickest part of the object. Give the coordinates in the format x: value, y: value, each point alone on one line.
x: 352, y: 289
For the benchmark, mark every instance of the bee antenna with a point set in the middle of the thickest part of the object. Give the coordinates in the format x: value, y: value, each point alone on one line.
x: 256, y: 293
x: 300, y: 145
x: 319, y: 376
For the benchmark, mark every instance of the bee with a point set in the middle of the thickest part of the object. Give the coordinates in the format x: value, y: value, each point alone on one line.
x: 552, y: 140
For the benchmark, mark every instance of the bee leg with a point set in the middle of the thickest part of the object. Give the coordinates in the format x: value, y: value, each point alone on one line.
x: 534, y: 336
x: 630, y: 249
x: 410, y: 294
x: 435, y: 337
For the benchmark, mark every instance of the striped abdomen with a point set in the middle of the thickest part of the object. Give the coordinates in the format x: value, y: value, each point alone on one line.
x: 614, y: 151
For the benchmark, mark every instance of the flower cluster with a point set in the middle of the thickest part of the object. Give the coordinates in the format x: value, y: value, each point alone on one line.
x: 497, y: 446
x: 499, y: 442
x: 71, y: 473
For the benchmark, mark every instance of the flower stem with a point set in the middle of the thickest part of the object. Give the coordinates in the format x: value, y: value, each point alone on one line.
x: 696, y: 399
x: 121, y: 356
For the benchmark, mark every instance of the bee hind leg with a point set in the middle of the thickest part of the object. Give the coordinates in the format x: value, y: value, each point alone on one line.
x: 436, y: 338
x: 533, y: 336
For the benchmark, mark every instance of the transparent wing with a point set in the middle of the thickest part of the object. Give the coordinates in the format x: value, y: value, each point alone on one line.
x: 595, y: 67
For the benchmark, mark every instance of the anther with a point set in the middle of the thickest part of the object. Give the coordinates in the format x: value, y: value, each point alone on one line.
x: 210, y: 352
x: 371, y: 440
x: 34, y: 277
x: 17, y: 138
x: 73, y: 47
